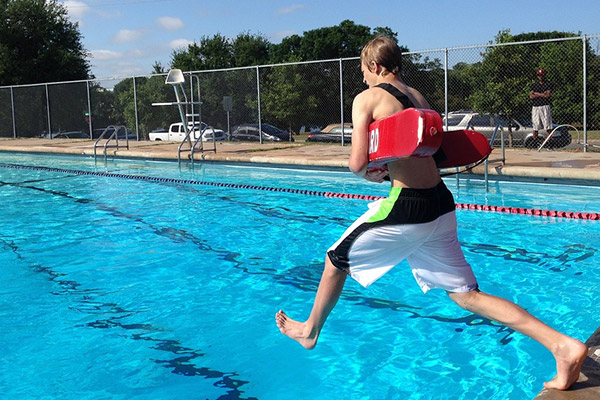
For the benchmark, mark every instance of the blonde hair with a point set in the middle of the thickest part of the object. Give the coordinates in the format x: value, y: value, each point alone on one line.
x: 385, y: 52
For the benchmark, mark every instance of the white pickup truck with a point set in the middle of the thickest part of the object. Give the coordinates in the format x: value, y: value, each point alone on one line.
x: 177, y: 133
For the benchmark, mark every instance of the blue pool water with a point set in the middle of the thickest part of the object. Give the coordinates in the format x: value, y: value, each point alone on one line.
x: 117, y: 288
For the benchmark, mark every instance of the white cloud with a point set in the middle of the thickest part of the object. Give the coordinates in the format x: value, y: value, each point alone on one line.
x: 290, y: 9
x: 106, y: 55
x: 126, y: 35
x: 77, y: 9
x: 170, y: 23
x: 137, y: 53
x: 179, y: 43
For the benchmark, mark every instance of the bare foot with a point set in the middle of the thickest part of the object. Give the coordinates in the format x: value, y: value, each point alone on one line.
x: 569, y: 358
x: 296, y: 330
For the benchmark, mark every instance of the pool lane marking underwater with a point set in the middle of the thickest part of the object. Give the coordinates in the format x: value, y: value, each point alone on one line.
x: 463, y: 206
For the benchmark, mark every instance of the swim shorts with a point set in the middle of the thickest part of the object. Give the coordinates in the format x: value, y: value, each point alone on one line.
x: 418, y: 225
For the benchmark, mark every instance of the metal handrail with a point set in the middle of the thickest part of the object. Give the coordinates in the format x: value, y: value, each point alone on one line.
x: 554, y: 130
x: 114, y: 135
x: 487, y: 160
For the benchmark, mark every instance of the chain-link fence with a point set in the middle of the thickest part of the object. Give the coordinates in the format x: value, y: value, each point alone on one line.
x: 480, y: 87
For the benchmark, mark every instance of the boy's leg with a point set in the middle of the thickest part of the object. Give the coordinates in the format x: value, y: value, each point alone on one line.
x: 307, y: 333
x: 569, y: 353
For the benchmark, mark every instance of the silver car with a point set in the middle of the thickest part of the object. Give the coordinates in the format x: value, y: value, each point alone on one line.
x: 522, y: 135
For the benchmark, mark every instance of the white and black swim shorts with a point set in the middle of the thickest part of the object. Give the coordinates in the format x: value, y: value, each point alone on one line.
x: 418, y: 225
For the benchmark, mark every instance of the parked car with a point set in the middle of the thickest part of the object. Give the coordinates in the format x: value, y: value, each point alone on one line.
x: 309, y: 129
x: 122, y: 134
x: 220, y: 135
x: 270, y: 133
x: 522, y: 132
x: 66, y: 135
x: 332, y: 133
x: 176, y: 132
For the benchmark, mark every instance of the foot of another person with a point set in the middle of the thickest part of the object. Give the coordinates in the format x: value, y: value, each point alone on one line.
x: 296, y: 330
x: 569, y: 358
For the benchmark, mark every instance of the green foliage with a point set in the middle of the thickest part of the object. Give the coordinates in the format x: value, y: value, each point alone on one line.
x: 211, y: 53
x: 427, y: 76
x: 342, y: 41
x: 103, y: 107
x: 501, y: 81
x: 39, y: 44
x: 249, y: 50
x: 593, y: 88
x: 148, y: 91
x: 294, y: 95
x: 291, y: 96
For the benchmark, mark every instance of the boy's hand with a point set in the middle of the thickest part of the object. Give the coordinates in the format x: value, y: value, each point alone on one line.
x: 376, y: 174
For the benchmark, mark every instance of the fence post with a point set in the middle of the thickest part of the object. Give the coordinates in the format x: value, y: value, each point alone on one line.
x: 137, y: 125
x: 585, y: 142
x: 258, y: 101
x: 48, y: 111
x: 342, y: 101
x: 89, y: 101
x: 446, y: 86
x: 12, y: 109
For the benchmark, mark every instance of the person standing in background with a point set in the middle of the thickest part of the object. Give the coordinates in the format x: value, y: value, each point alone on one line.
x: 541, y: 112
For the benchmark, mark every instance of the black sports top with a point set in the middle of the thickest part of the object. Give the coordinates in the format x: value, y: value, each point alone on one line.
x: 394, y: 91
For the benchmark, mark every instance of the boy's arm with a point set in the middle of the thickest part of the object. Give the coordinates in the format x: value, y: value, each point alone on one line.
x: 359, y: 153
x: 360, y: 127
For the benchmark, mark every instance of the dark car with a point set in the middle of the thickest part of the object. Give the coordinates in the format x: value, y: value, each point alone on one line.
x: 332, y: 134
x: 122, y: 134
x: 67, y: 135
x: 249, y: 132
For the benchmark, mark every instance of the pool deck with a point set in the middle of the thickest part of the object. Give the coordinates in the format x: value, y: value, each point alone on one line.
x: 567, y: 166
x: 571, y: 166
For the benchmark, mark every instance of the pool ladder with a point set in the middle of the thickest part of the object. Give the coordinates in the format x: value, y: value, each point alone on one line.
x: 114, y: 136
x: 497, y: 129
x: 192, y: 120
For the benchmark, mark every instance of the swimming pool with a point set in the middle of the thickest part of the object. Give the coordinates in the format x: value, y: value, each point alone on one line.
x: 134, y: 289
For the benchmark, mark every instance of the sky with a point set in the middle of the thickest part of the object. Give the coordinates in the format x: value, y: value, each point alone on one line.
x: 126, y: 37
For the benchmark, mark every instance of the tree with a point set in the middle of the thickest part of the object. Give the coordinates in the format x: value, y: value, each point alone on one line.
x: 210, y: 53
x: 502, y: 80
x: 341, y: 41
x: 310, y: 94
x: 148, y: 91
x: 38, y: 43
x: 250, y: 50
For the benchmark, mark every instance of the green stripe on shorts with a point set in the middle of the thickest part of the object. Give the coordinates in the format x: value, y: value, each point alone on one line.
x: 386, y: 205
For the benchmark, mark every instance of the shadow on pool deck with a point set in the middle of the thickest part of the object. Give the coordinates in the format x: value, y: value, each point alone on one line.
x: 572, y: 166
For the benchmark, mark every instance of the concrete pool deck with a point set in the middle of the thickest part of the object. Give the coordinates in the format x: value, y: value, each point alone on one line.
x: 571, y: 166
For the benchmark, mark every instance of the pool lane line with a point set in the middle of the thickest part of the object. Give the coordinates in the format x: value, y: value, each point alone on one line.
x: 461, y: 206
x: 530, y: 211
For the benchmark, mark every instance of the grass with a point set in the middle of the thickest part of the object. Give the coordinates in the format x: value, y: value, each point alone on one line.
x: 591, y: 135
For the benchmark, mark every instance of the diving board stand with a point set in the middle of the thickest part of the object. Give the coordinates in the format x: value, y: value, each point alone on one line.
x: 192, y: 121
